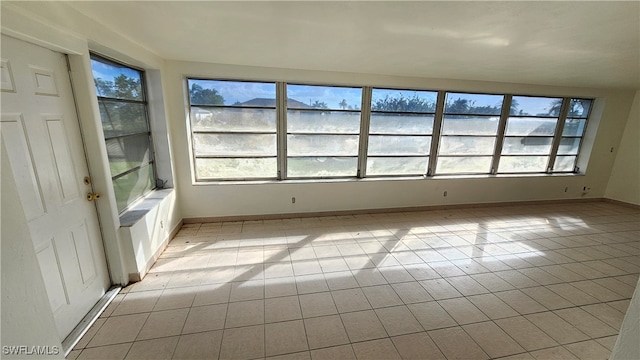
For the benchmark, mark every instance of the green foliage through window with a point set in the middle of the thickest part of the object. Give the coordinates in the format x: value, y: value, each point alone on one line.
x: 201, y: 96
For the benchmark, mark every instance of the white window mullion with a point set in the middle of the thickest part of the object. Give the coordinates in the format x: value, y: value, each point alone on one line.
x: 564, y: 110
x: 281, y: 128
x: 365, y: 120
x: 506, y: 110
x: 435, y: 137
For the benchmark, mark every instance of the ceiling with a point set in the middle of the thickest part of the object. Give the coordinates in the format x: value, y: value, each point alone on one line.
x: 585, y: 44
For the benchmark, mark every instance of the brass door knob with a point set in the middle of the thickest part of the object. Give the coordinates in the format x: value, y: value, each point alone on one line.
x: 93, y: 196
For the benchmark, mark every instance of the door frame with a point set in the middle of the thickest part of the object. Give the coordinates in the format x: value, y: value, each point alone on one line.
x: 85, y: 98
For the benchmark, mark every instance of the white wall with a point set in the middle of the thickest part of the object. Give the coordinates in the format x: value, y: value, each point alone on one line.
x: 624, y: 183
x: 219, y: 200
x: 144, y: 239
x: 27, y: 319
x: 627, y: 347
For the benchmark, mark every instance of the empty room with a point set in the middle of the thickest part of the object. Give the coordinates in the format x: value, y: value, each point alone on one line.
x: 320, y: 180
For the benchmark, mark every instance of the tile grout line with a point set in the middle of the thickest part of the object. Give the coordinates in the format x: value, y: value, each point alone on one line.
x: 587, y: 263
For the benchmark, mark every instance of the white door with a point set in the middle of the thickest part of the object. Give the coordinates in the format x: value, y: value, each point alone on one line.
x: 41, y: 136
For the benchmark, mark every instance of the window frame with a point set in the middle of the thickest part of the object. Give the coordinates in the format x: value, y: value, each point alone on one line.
x: 285, y: 134
x: 496, y: 137
x: 552, y: 137
x: 151, y: 162
x: 371, y: 112
x: 366, y: 112
x: 192, y: 132
x: 560, y: 132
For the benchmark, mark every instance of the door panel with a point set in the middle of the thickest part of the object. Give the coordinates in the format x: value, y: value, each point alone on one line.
x: 82, y: 247
x: 41, y: 135
x: 62, y: 158
x: 52, y: 274
x: 44, y: 82
x: 6, y: 76
x: 16, y: 144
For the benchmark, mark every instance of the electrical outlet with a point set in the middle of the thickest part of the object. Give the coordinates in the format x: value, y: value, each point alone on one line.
x: 445, y: 194
x: 293, y: 200
x: 161, y: 224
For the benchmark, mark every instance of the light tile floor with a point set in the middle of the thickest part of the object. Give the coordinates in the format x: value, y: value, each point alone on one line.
x: 517, y: 282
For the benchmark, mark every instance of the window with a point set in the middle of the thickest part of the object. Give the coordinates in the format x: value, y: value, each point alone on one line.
x: 124, y: 116
x: 244, y: 130
x: 529, y: 135
x: 400, y: 131
x: 233, y: 129
x: 323, y: 135
x: 468, y: 134
x: 572, y: 133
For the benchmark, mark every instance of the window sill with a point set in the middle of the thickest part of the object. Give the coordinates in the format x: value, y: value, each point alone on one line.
x: 140, y: 209
x: 389, y: 178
